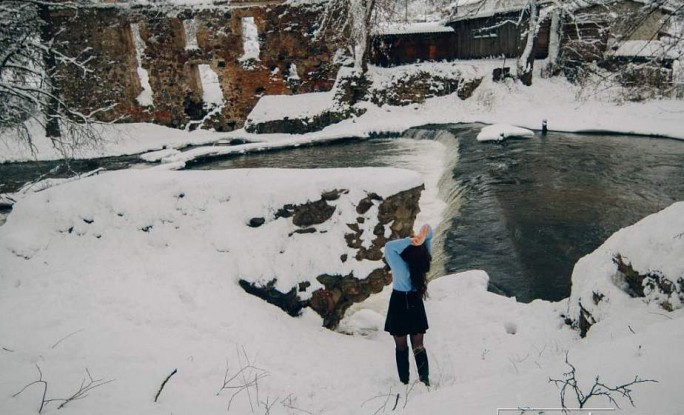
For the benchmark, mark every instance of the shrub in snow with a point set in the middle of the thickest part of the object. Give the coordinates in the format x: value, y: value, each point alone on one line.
x: 638, y: 267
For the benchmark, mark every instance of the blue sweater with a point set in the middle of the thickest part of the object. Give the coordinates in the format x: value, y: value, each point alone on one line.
x: 400, y: 271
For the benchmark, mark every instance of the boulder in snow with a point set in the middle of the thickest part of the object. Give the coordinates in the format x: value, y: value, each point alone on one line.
x: 638, y: 267
x: 499, y: 132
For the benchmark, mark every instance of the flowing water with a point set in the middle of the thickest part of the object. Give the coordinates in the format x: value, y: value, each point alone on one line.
x: 529, y: 209
x: 524, y: 211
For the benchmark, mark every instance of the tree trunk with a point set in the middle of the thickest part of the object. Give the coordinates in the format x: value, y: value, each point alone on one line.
x: 52, y: 129
x: 526, y: 59
x: 363, y: 46
x: 554, y: 42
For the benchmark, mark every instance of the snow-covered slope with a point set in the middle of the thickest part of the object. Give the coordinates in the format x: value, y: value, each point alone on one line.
x: 129, y: 276
x: 654, y: 249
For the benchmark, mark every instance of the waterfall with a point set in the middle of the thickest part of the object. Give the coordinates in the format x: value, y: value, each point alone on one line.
x: 442, y: 192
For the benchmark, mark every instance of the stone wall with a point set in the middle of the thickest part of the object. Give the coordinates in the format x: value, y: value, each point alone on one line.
x: 286, y: 38
x: 102, y: 37
x: 395, y: 217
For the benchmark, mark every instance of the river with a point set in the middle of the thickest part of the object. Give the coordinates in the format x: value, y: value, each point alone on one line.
x: 524, y: 210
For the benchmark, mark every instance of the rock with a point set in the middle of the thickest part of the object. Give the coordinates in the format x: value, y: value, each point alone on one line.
x: 312, y: 213
x: 650, y: 283
x: 341, y: 291
x: 256, y: 222
x: 637, y: 268
x: 333, y: 194
x: 305, y: 230
x: 289, y: 302
x: 415, y: 88
x: 364, y: 205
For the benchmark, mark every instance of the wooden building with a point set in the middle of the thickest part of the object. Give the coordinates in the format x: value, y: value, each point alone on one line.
x: 485, y: 29
x: 413, y: 43
x: 496, y: 28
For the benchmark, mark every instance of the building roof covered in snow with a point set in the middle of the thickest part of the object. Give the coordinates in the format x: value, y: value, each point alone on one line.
x: 475, y: 9
x: 652, y: 49
x: 400, y: 28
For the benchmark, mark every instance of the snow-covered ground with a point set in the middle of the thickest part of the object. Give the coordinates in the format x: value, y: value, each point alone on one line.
x: 128, y: 276
x: 563, y: 105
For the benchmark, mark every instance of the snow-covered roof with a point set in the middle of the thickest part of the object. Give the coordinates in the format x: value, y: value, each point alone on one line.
x: 400, y: 28
x: 473, y: 9
x: 646, y: 49
x: 667, y: 5
x: 477, y: 9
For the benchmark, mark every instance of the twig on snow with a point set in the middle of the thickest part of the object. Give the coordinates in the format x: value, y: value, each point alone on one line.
x: 83, y: 390
x: 164, y: 384
x: 597, y: 389
x: 65, y: 337
x: 41, y: 381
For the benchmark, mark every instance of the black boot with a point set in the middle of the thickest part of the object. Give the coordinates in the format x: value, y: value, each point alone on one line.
x: 422, y: 363
x: 403, y: 365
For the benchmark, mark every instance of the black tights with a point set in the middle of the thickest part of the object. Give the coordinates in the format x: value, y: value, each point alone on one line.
x: 401, y: 342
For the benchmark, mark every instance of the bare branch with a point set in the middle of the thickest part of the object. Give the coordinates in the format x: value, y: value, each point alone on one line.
x: 65, y: 337
x: 164, y: 384
x: 82, y: 392
x: 39, y: 381
x: 597, y: 389
x: 246, y: 377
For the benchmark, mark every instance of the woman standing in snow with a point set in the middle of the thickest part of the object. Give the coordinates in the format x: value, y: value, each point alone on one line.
x: 409, y: 261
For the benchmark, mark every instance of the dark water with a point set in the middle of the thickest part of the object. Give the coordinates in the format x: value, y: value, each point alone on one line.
x: 15, y: 175
x: 531, y: 208
x: 352, y: 153
x: 524, y: 211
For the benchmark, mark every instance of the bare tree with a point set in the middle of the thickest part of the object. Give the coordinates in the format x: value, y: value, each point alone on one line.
x: 525, y: 62
x: 32, y: 63
x: 353, y: 22
x: 609, y: 44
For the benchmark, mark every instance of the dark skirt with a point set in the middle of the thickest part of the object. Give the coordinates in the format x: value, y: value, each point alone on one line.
x: 406, y: 314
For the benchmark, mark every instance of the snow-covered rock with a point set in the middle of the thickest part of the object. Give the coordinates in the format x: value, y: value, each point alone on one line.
x: 639, y: 269
x: 499, y: 132
x: 315, y: 228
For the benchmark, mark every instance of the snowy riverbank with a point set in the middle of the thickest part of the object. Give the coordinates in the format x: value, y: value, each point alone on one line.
x: 83, y: 287
x: 551, y: 99
x: 120, y: 277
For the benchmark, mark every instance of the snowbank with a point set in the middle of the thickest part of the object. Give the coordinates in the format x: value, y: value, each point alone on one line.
x: 117, y: 140
x: 554, y: 100
x: 278, y: 107
x: 130, y: 275
x: 169, y: 211
x: 141, y: 267
x: 653, y: 246
x: 499, y: 132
